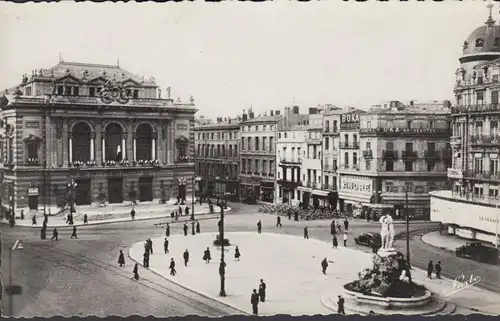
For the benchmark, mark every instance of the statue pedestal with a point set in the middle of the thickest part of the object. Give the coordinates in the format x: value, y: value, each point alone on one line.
x: 386, y: 252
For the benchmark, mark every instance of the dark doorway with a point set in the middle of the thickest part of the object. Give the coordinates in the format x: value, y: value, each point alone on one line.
x: 145, y: 189
x: 33, y: 202
x: 115, y: 190
x: 82, y: 192
x: 305, y: 198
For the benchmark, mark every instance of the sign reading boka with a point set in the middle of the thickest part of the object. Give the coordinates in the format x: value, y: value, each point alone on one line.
x: 349, y: 121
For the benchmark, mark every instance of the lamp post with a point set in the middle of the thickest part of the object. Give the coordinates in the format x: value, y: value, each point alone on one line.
x: 12, y: 217
x: 193, y: 199
x: 222, y: 270
x: 46, y: 192
x: 11, y: 289
x: 407, y: 229
x: 72, y: 185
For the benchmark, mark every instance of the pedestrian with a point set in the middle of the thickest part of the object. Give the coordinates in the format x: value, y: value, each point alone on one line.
x: 254, y: 300
x: 340, y: 305
x: 324, y: 265
x: 237, y: 253
x: 33, y: 220
x: 306, y: 233
x: 335, y: 242
x: 22, y: 214
x: 165, y: 246
x: 145, y: 260
x: 259, y: 227
x: 136, y: 271
x: 278, y: 221
x: 172, y: 267
x: 193, y: 231
x: 186, y: 210
x: 206, y: 256
x: 85, y: 219
x: 296, y: 216
x: 186, y: 257
x: 438, y: 269
x: 150, y: 242
x: 176, y: 215
x: 44, y: 225
x: 289, y: 214
x: 185, y: 229
x: 172, y: 215
x: 345, y: 239
x: 73, y: 235
x: 346, y: 224
x: 262, y: 291
x: 121, y: 259
x: 167, y: 231
x: 43, y: 233
x: 132, y: 213
x: 45, y: 219
x: 222, y: 268
x: 339, y: 228
x: 332, y: 228
x: 180, y: 210
x: 430, y: 268
x: 198, y: 227
x: 55, y: 234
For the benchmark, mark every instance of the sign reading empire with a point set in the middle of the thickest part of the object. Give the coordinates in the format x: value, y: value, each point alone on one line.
x: 356, y: 185
x: 349, y: 121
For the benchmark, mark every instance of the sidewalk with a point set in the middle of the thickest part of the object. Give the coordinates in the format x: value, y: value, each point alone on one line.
x: 115, y: 213
x: 445, y: 241
x: 292, y: 272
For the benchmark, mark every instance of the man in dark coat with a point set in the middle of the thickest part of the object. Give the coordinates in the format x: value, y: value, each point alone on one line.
x: 55, y: 234
x: 132, y: 214
x: 262, y: 291
x: 198, y: 227
x: 346, y: 224
x: 172, y: 267
x: 306, y: 233
x: 193, y: 231
x: 237, y: 253
x: 324, y: 265
x: 172, y: 215
x: 186, y: 257
x: 186, y: 210
x: 289, y: 214
x: 43, y: 233
x: 259, y: 227
x: 121, y: 259
x: 33, y: 220
x: 278, y: 221
x: 430, y: 268
x: 335, y: 241
x: 176, y: 215
x: 136, y: 271
x: 167, y: 231
x: 73, y: 235
x: 438, y: 269
x: 340, y: 305
x: 146, y: 260
x: 85, y: 219
x: 185, y: 229
x: 332, y: 228
x: 254, y: 300
x: 150, y: 242
x: 206, y: 256
x: 165, y: 246
x: 180, y: 210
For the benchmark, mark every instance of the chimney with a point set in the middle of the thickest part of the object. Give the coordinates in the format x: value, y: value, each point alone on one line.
x: 277, y: 113
x: 411, y: 102
x: 272, y: 112
x: 313, y: 111
x: 229, y: 120
x: 296, y: 110
x: 447, y: 104
x: 251, y: 114
x: 245, y: 117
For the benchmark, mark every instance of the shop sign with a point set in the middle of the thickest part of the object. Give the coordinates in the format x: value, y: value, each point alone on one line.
x: 33, y: 191
x: 349, y: 121
x: 356, y: 185
x: 455, y: 173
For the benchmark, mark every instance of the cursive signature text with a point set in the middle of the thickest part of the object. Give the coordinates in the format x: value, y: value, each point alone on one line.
x: 462, y: 282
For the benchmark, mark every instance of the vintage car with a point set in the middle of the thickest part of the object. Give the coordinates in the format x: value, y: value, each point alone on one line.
x: 478, y: 252
x: 373, y: 240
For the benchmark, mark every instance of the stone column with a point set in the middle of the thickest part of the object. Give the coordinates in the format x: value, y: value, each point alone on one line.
x: 65, y: 143
x: 98, y: 144
x: 92, y: 146
x: 124, y: 146
x: 103, y: 142
x: 135, y: 146
x: 70, y: 149
x: 153, y: 148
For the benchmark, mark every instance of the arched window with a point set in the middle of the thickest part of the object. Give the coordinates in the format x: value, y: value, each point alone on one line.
x: 479, y: 42
x: 81, y: 142
x: 113, y: 140
x: 144, y: 138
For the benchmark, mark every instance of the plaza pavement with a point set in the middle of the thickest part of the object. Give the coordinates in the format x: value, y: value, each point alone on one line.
x: 445, y: 241
x: 115, y: 213
x: 291, y: 270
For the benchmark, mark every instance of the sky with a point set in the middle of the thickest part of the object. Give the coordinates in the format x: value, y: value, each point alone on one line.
x: 234, y: 55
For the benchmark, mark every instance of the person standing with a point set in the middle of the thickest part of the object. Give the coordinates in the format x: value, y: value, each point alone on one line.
x: 335, y: 242
x: 345, y: 239
x: 145, y: 260
x: 206, y: 256
x: 167, y: 231
x: 165, y: 246
x: 136, y: 271
x: 198, y: 227
x: 289, y: 213
x: 332, y: 228
x: 346, y: 224
x: 132, y: 213
x: 278, y: 221
x: 438, y: 269
x: 172, y: 215
x: 262, y: 291
x: 296, y: 216
x: 193, y: 231
x: 33, y: 220
x: 186, y: 257
x: 339, y: 228
x: 185, y: 229
x: 237, y: 253
x: 121, y: 259
x: 430, y: 268
x: 73, y: 235
x: 306, y: 233
x: 172, y: 267
x: 254, y: 300
x: 150, y: 242
x: 85, y: 219
x: 259, y: 227
x: 43, y: 233
x: 340, y: 305
x: 324, y: 265
x: 55, y: 235
x: 186, y: 210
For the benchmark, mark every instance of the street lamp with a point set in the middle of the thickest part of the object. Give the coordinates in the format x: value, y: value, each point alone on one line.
x: 13, y: 289
x: 72, y: 185
x: 12, y: 217
x: 46, y: 103
x: 407, y: 228
x: 222, y: 270
x: 192, y: 198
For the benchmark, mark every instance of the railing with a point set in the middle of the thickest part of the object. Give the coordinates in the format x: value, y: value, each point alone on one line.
x: 475, y: 108
x: 349, y: 145
x: 485, y: 139
x: 482, y: 175
x: 33, y: 162
x: 86, y: 163
x: 331, y: 131
x: 480, y: 199
x: 456, y: 140
x: 389, y: 154
x: 432, y: 154
x: 354, y: 167
x: 409, y: 154
x: 291, y: 161
x: 368, y: 154
x: 329, y: 168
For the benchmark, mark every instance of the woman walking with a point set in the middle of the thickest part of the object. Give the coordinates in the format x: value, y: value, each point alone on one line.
x: 121, y: 259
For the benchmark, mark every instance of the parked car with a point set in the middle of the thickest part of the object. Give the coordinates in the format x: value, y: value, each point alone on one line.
x: 478, y: 252
x: 373, y: 240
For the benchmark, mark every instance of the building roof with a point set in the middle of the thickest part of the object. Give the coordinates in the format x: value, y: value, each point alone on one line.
x: 223, y: 124
x: 259, y: 119
x: 418, y: 108
x: 295, y: 128
x: 485, y: 38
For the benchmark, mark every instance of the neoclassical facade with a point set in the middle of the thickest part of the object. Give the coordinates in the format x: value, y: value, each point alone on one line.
x: 99, y: 126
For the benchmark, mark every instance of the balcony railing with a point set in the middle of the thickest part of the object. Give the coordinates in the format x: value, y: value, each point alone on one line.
x: 491, y: 139
x: 432, y: 154
x: 33, y: 162
x: 390, y: 154
x: 368, y: 154
x: 409, y: 155
x: 291, y: 161
x: 475, y: 108
x: 329, y: 168
x: 486, y: 175
x: 349, y: 145
x: 354, y: 167
x: 456, y: 140
x: 329, y: 187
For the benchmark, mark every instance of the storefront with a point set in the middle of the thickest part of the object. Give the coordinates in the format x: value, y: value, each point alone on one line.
x: 267, y: 191
x: 354, y: 193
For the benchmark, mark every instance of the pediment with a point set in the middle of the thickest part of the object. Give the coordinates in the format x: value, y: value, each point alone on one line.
x: 130, y: 81
x: 182, y: 140
x: 100, y: 80
x: 69, y: 78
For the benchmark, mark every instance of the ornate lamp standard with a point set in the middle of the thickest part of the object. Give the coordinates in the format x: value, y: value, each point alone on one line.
x: 222, y: 269
x: 47, y: 102
x: 407, y: 228
x: 72, y: 186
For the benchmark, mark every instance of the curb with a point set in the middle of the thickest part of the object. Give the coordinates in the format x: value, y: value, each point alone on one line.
x: 113, y: 222
x: 187, y: 287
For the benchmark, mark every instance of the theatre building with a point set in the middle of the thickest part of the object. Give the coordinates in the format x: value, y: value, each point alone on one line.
x: 95, y: 131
